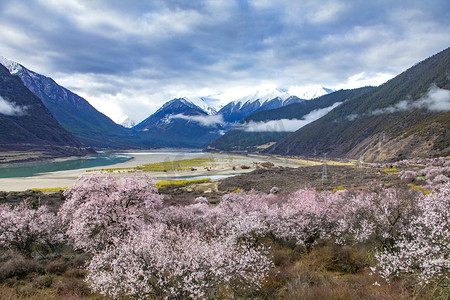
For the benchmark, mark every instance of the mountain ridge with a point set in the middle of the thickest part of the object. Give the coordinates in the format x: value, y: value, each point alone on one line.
x: 20, y: 113
x: 73, y: 112
x: 391, y: 111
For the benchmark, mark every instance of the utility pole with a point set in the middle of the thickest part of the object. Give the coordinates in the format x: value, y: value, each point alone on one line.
x: 324, y: 170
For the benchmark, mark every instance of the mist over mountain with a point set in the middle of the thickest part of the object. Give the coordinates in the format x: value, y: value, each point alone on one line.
x: 191, y: 122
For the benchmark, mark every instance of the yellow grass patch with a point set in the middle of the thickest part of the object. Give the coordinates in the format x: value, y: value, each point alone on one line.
x: 164, y: 183
x: 176, y: 165
x: 49, y: 190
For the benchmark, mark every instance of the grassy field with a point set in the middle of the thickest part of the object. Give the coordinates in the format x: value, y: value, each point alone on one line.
x: 176, y: 165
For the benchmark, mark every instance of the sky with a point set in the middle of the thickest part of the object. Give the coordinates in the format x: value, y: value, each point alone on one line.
x: 129, y: 57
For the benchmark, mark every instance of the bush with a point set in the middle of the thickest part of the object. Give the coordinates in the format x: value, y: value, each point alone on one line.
x: 44, y: 281
x: 19, y: 266
x: 58, y: 266
x: 75, y: 288
x: 408, y: 176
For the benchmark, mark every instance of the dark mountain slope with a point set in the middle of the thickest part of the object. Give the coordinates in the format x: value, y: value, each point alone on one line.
x: 73, y: 112
x: 27, y: 125
x: 241, y: 140
x: 396, y: 120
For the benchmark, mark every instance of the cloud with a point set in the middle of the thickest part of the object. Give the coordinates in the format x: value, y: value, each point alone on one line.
x: 287, y: 125
x: 114, y: 52
x: 435, y: 100
x: 207, y: 120
x: 11, y: 109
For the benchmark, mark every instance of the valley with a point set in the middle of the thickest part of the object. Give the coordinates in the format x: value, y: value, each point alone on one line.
x: 286, y: 193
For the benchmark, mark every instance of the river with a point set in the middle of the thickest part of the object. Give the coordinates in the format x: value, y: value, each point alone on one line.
x: 63, y: 173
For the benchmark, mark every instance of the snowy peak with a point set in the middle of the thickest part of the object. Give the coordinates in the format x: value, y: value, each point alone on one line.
x: 12, y: 66
x: 190, y: 102
x: 128, y: 123
x: 202, y: 104
x: 263, y: 96
x: 309, y: 91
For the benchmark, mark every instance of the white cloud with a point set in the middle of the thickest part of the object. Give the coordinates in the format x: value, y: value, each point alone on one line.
x: 288, y: 125
x: 207, y: 120
x: 435, y: 100
x: 11, y: 109
x: 129, y: 57
x: 327, y: 12
x: 366, y: 79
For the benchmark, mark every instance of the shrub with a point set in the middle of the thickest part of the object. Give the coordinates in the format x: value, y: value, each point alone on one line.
x: 179, y: 182
x: 57, y: 266
x: 20, y: 267
x: 202, y: 200
x: 408, y: 176
x: 44, y: 281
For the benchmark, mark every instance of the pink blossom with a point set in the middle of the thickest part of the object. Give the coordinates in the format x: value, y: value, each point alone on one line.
x: 102, y: 209
x: 168, y: 262
x: 25, y: 229
x: 423, y: 247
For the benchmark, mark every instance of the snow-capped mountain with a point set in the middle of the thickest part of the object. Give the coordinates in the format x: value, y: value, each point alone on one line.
x: 193, y: 103
x: 237, y: 110
x: 309, y: 91
x: 202, y: 104
x: 128, y: 123
x: 263, y: 97
x: 12, y: 66
x: 177, y: 108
